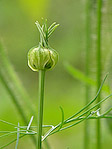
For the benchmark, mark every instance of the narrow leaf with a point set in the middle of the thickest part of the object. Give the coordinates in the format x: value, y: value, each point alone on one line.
x: 90, y: 101
x: 52, y: 30
x: 17, y: 137
x: 11, y: 142
x: 77, y: 74
x: 86, y: 117
x: 52, y: 25
x: 62, y: 121
x: 41, y: 32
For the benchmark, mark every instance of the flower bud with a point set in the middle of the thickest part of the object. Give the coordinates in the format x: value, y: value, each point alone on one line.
x: 41, y: 58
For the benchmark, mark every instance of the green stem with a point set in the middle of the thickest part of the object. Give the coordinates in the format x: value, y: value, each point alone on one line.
x: 88, y: 44
x: 13, y: 98
x: 10, y: 81
x: 40, y: 107
x: 99, y: 16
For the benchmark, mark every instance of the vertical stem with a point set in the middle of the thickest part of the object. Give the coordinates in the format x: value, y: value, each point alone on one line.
x: 88, y: 45
x: 4, y: 78
x: 99, y: 16
x: 40, y: 107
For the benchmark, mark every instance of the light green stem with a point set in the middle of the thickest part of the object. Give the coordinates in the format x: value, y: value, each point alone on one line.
x: 11, y: 81
x: 88, y: 46
x: 99, y: 16
x: 40, y: 107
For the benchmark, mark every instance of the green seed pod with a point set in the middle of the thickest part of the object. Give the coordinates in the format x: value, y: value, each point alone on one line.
x: 41, y: 58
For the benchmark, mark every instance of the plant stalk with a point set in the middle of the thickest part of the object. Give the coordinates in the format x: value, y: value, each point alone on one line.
x: 11, y: 81
x: 99, y: 23
x: 40, y: 108
x: 87, y: 59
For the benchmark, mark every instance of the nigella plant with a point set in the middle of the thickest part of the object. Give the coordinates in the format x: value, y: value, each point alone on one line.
x: 42, y: 58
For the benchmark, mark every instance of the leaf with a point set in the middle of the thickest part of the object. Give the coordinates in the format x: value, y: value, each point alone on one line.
x: 62, y: 121
x: 11, y: 142
x: 52, y: 30
x: 77, y: 74
x: 86, y: 117
x: 41, y: 32
x: 90, y: 101
x: 17, y: 137
x: 52, y: 25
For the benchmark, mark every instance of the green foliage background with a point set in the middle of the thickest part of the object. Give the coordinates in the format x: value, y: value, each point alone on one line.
x: 19, y: 33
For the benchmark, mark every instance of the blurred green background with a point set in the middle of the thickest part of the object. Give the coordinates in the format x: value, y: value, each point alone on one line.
x: 19, y: 33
